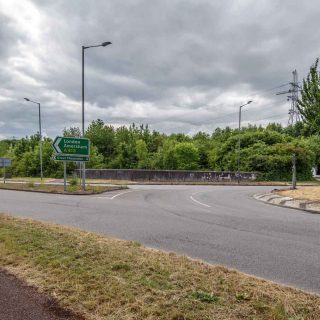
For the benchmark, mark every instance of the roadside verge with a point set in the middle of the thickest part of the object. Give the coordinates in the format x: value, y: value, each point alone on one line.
x: 288, y: 202
x: 105, y: 278
x: 59, y: 189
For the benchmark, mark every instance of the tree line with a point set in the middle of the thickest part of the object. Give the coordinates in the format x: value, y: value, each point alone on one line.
x: 266, y: 150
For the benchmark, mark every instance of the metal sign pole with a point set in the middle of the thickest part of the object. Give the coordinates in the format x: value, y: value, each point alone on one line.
x: 65, y: 175
x: 80, y: 173
x: 4, y: 175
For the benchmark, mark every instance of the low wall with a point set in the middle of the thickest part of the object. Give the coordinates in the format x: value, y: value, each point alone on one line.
x: 168, y: 175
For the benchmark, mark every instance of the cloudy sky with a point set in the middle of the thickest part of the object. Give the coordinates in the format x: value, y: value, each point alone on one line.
x: 177, y: 65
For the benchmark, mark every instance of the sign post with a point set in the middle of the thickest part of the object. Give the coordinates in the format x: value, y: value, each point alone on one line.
x: 71, y: 149
x: 4, y: 162
x: 65, y: 175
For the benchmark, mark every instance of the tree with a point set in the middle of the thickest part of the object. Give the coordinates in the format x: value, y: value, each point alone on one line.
x: 96, y: 159
x: 187, y: 155
x: 72, y: 132
x: 168, y: 155
x: 103, y: 137
x: 309, y: 104
x: 202, y: 141
x: 142, y: 154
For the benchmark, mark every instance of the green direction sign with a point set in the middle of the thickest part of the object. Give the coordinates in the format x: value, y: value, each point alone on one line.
x: 72, y: 146
x: 63, y: 157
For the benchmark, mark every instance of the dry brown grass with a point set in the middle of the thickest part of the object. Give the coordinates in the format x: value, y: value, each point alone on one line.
x: 105, y: 278
x: 58, y: 188
x: 302, y: 193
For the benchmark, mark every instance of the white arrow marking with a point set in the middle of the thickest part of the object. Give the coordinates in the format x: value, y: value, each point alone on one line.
x: 56, y: 145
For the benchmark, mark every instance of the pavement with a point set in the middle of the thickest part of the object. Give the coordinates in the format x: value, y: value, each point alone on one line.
x: 21, y: 302
x: 218, y: 224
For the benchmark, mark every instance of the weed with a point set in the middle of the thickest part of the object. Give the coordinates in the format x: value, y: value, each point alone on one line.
x: 30, y: 185
x: 73, y: 181
x: 205, y: 296
x: 240, y: 296
x: 120, y: 266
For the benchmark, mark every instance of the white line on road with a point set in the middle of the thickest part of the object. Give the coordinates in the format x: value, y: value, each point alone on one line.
x: 193, y: 199
x: 116, y: 195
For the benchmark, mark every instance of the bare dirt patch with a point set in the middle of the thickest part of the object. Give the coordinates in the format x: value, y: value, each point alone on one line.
x: 18, y: 301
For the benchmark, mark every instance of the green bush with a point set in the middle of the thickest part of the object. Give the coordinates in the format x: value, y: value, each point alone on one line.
x: 73, y: 182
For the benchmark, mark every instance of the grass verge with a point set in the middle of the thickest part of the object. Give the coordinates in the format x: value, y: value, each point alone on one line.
x: 105, y: 278
x: 302, y: 193
x: 30, y: 186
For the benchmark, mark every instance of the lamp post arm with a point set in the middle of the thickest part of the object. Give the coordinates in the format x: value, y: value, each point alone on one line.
x: 87, y: 47
x: 33, y: 102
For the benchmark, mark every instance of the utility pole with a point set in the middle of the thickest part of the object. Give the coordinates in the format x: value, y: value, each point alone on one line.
x: 103, y: 44
x: 294, y: 117
x: 40, y: 134
x: 239, y: 140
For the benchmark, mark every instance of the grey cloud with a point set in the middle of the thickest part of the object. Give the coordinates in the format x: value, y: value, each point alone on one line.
x: 173, y: 64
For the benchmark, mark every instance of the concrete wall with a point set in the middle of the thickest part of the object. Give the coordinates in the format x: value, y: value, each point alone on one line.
x: 167, y: 175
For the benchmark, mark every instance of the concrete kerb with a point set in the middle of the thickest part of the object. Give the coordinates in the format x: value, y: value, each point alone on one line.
x: 276, y: 200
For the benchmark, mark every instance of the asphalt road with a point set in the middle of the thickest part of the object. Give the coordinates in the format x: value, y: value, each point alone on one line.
x: 219, y: 224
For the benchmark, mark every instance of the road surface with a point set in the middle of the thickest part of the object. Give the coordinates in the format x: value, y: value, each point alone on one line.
x: 219, y: 224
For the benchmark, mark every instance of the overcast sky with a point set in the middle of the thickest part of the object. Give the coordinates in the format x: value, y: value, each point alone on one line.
x: 177, y: 65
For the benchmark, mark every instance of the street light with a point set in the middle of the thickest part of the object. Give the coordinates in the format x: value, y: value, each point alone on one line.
x: 103, y: 44
x: 239, y: 141
x: 41, y: 172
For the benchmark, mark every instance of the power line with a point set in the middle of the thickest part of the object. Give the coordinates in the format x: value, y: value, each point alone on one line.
x: 246, y: 111
x: 271, y: 117
x: 270, y: 89
x: 252, y: 94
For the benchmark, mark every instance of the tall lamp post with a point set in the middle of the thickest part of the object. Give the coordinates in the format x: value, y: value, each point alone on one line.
x: 239, y: 141
x: 40, y: 144
x: 103, y: 44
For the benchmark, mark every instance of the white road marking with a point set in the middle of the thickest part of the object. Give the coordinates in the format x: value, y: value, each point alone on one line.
x: 116, y: 195
x: 193, y: 199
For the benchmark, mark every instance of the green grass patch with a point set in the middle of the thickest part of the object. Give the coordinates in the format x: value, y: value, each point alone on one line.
x: 205, y: 296
x: 105, y: 278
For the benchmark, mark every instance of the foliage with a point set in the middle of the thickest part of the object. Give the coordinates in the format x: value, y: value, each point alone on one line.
x: 309, y: 104
x: 265, y: 150
x: 187, y: 156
